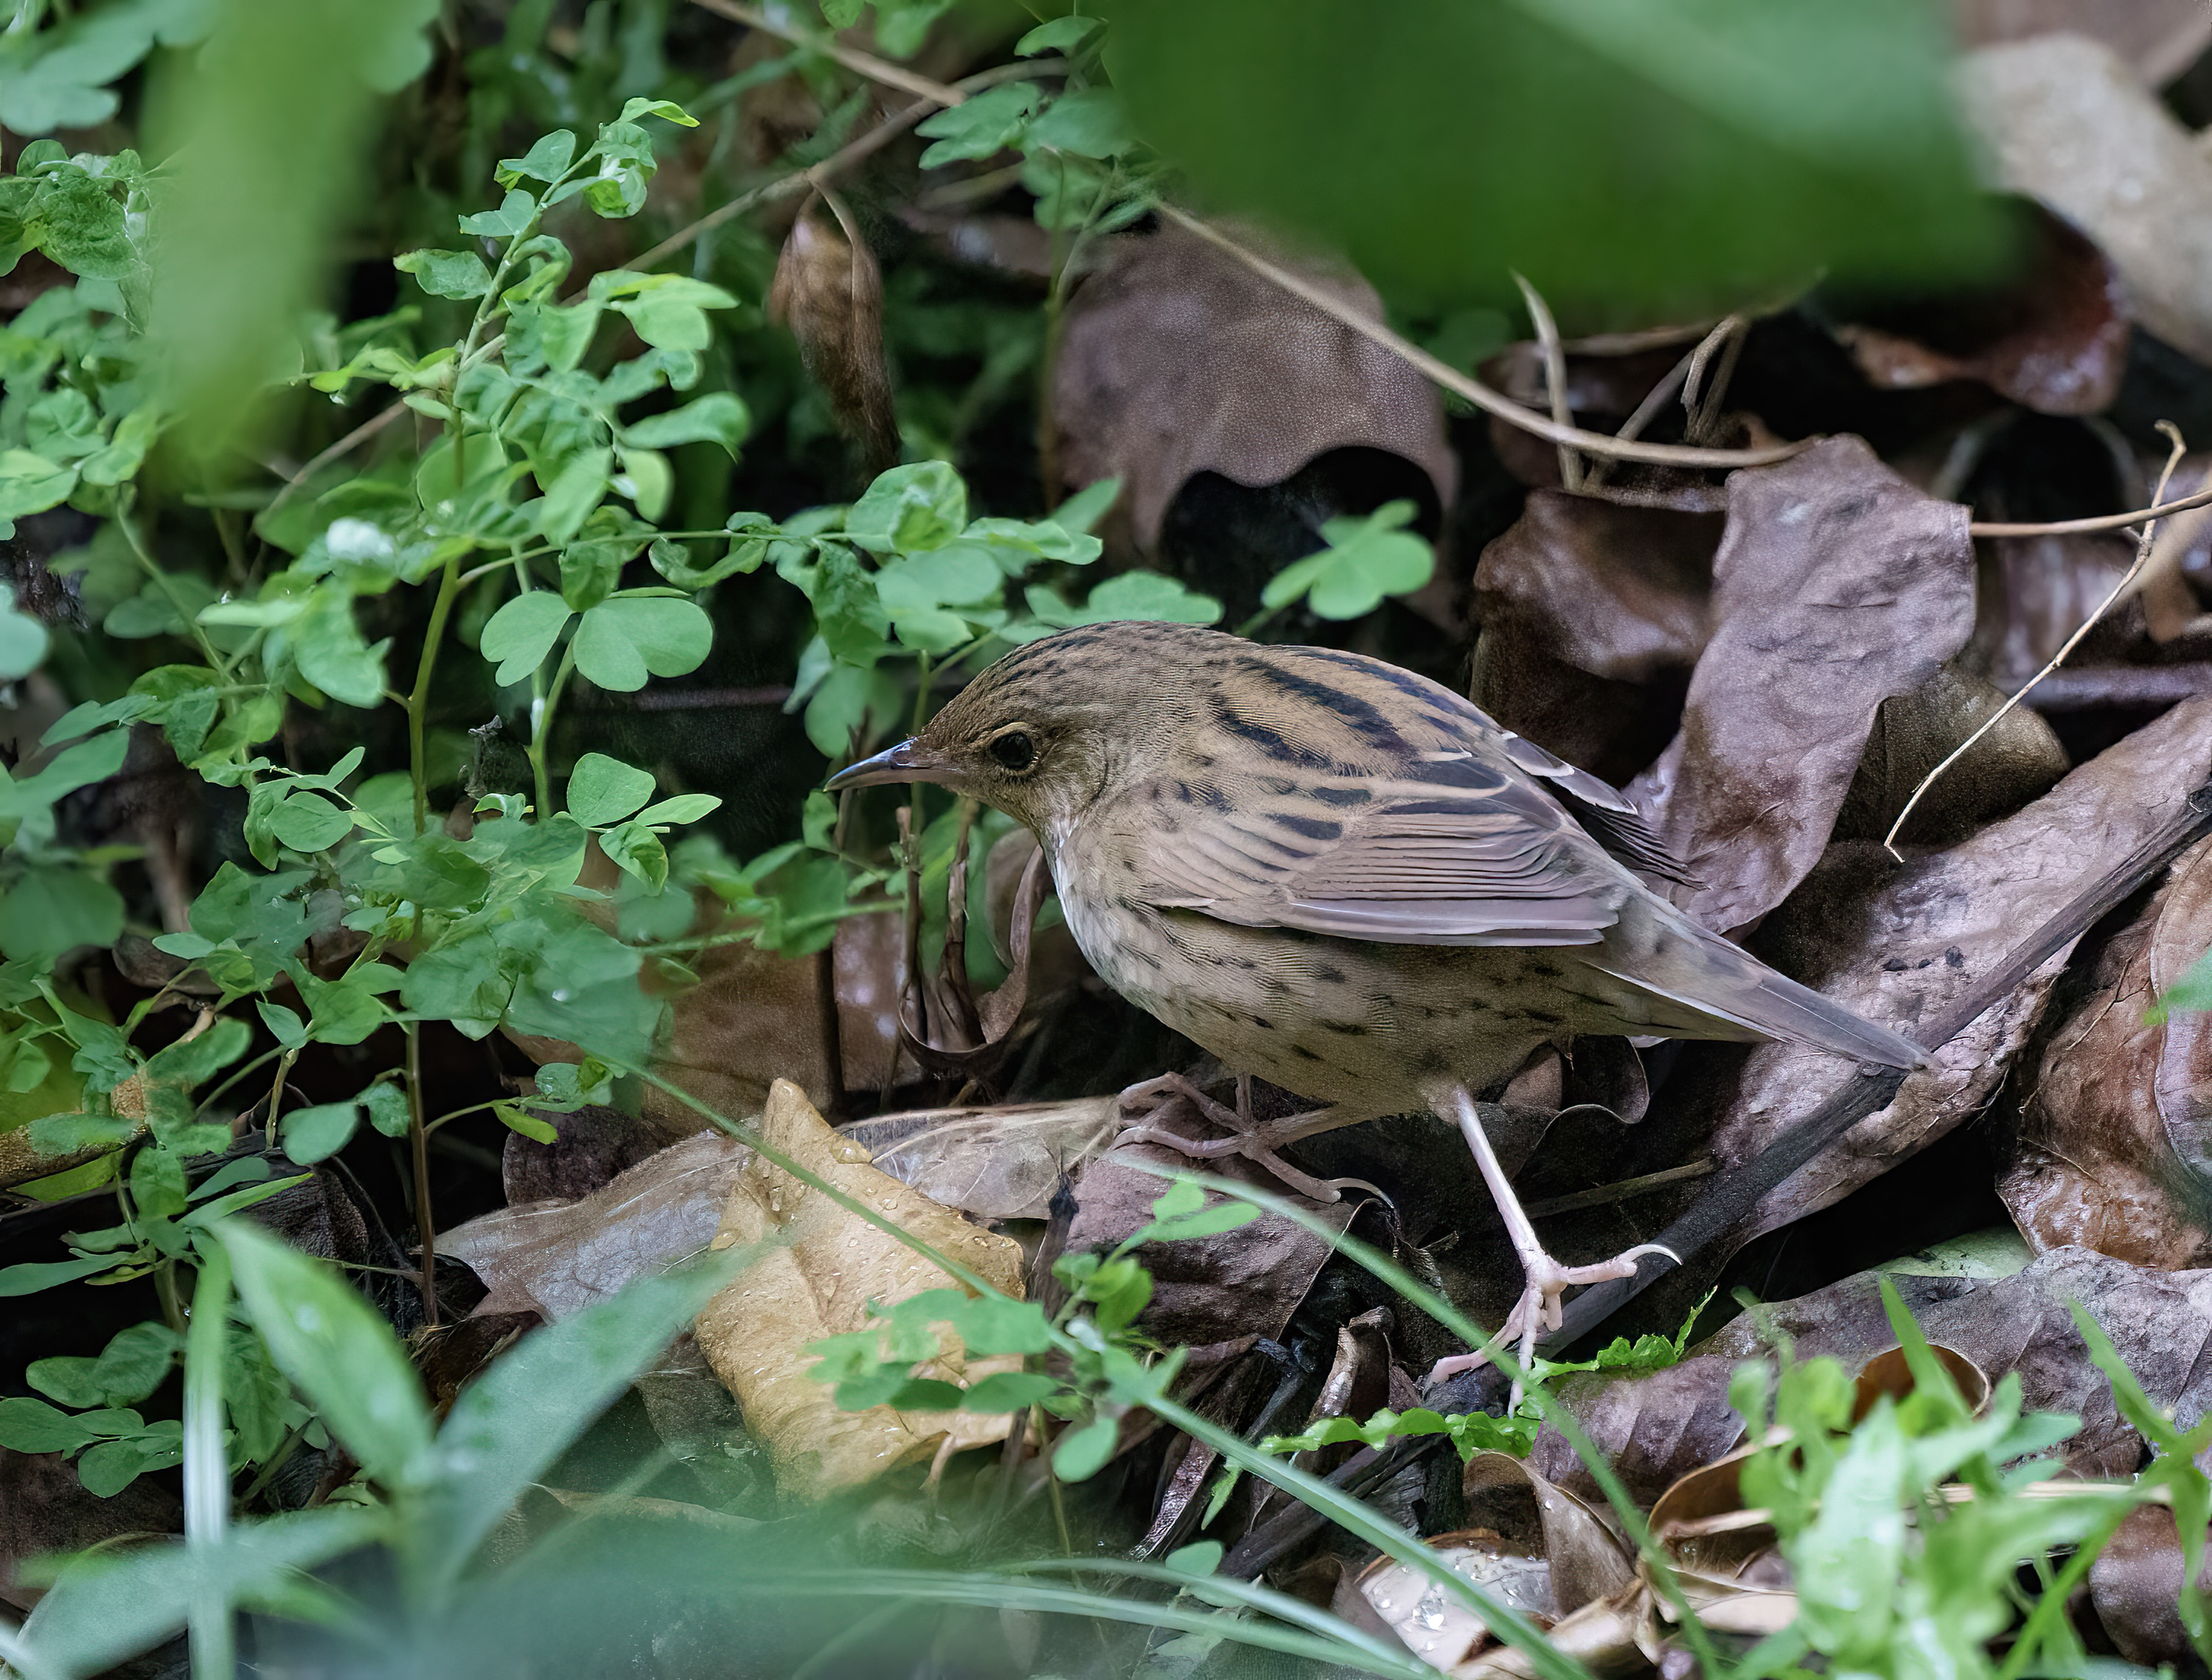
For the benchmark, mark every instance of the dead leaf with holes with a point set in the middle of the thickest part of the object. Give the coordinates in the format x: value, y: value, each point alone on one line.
x: 822, y: 1270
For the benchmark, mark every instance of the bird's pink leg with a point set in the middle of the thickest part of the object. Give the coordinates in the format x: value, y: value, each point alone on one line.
x: 1256, y: 1140
x: 1544, y: 1279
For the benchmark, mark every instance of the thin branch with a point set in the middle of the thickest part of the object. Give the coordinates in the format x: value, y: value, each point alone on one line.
x: 861, y: 63
x: 1490, y: 401
x: 2120, y: 589
x: 1701, y: 399
x: 1657, y: 398
x: 351, y: 441
x: 1555, y: 378
x: 2158, y: 510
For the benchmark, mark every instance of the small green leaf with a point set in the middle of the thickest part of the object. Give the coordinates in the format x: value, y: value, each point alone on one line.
x: 625, y: 639
x: 522, y: 632
x: 337, y: 1349
x: 982, y: 126
x: 1007, y: 1390
x: 309, y: 822
x: 1202, y: 1557
x: 720, y: 417
x: 446, y: 274
x: 33, y: 1426
x: 1366, y: 559
x: 512, y: 219
x: 386, y: 1102
x: 31, y: 483
x: 684, y: 808
x: 667, y: 110
x: 317, y: 1134
x: 1083, y: 1451
x: 517, y: 1119
x: 603, y: 789
x: 921, y: 506
x: 1059, y: 35
x: 547, y: 161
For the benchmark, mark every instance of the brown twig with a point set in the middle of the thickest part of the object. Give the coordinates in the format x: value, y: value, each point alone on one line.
x: 2142, y: 557
x: 1740, y: 1190
x: 2100, y: 522
x: 1555, y: 378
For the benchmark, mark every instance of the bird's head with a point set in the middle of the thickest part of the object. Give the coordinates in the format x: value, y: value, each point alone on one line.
x: 1054, y: 725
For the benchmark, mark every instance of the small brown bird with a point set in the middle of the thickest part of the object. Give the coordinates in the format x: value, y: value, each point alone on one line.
x: 1346, y: 879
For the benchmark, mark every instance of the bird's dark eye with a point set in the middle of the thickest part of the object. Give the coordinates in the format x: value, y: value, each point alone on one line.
x: 1013, y: 750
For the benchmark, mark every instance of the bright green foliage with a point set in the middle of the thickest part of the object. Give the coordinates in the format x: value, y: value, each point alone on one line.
x: 1893, y: 1579
x: 1365, y: 560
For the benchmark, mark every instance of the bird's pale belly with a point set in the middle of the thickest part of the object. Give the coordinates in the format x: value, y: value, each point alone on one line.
x: 1338, y: 1021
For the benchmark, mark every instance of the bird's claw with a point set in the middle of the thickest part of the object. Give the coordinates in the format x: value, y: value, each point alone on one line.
x: 1257, y: 1141
x: 1541, y: 1308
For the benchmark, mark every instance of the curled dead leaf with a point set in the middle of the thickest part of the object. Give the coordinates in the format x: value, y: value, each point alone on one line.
x: 2113, y: 1145
x: 2054, y: 338
x: 1593, y: 615
x: 1176, y: 360
x: 2072, y: 124
x: 995, y: 1163
x: 2018, y: 759
x: 818, y: 1278
x: 2136, y: 1586
x: 829, y: 292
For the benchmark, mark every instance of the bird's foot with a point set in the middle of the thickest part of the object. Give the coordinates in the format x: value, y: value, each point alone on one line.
x: 1541, y: 1308
x: 1257, y: 1141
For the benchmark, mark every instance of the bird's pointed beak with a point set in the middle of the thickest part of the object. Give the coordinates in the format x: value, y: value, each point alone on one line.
x: 908, y: 761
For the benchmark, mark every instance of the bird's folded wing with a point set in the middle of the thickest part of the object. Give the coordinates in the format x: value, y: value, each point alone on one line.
x: 1415, y: 864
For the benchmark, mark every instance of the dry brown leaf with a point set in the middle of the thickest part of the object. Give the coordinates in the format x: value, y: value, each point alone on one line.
x: 2160, y: 38
x: 557, y: 1257
x: 2114, y: 1146
x: 44, y: 1510
x: 829, y: 292
x: 2035, y: 592
x: 995, y: 1163
x: 2135, y: 1585
x: 1836, y: 585
x: 2072, y: 124
x: 755, y: 1017
x: 1653, y: 1430
x: 1177, y: 360
x: 1592, y: 616
x: 1247, y: 1282
x: 1897, y: 945
x: 1438, y: 1628
x: 591, y: 1146
x: 2018, y: 760
x: 816, y: 1279
x: 2054, y: 339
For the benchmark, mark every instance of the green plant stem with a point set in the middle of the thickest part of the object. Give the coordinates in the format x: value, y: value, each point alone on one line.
x: 162, y: 581
x: 418, y: 1141
x: 207, y: 1471
x: 2050, y: 1613
x: 541, y: 731
x: 418, y: 702
x: 165, y: 1292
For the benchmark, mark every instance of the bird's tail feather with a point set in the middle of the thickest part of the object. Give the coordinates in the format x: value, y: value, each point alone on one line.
x: 1714, y: 985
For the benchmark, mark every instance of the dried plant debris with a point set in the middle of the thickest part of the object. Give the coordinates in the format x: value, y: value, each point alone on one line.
x: 2018, y: 760
x: 1837, y: 585
x: 1593, y: 615
x: 2071, y: 125
x: 2113, y: 1146
x: 1247, y: 1282
x: 1657, y: 1429
x: 591, y: 1146
x: 2035, y: 592
x: 994, y: 1163
x: 1176, y: 360
x: 829, y: 292
x: 2054, y: 339
x: 819, y: 1275
x: 557, y: 1257
x: 756, y: 1017
x: 1898, y: 944
x: 2135, y: 1586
